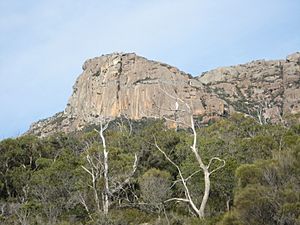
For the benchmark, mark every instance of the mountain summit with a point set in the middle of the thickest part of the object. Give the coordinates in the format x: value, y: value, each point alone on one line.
x: 125, y: 84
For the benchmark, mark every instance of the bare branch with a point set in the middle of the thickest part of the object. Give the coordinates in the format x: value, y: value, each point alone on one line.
x: 189, y: 177
x: 212, y: 159
x: 177, y: 199
x: 176, y: 99
x: 219, y: 167
x: 187, y: 192
x: 186, y: 179
x: 176, y: 121
x: 129, y: 123
x: 87, y: 171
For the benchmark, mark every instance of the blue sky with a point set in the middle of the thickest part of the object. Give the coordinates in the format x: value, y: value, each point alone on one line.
x: 44, y: 43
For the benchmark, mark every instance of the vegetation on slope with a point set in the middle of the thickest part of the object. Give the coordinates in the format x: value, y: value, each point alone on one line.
x: 43, y: 181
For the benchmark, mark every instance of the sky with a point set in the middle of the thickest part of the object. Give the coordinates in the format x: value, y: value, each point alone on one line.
x: 44, y: 43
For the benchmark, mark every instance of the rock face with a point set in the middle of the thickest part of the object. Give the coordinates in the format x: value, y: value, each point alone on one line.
x: 126, y: 84
x: 266, y: 89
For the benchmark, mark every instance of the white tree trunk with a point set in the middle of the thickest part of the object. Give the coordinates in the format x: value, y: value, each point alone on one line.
x: 205, y: 169
x: 206, y: 193
x: 105, y: 173
x: 101, y: 167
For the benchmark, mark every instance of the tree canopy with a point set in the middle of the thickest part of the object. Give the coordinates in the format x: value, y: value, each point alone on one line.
x: 42, y: 180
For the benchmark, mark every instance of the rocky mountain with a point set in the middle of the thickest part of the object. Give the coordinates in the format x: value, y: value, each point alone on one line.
x: 267, y: 90
x: 125, y: 84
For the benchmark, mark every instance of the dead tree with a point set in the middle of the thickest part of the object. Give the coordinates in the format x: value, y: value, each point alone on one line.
x: 265, y: 111
x: 99, y: 168
x: 205, y: 168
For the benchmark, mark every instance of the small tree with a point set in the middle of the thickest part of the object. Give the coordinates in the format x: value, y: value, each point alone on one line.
x: 155, y: 188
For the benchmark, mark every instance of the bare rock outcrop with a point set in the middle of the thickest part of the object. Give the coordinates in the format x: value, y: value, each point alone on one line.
x: 127, y: 84
x: 267, y: 90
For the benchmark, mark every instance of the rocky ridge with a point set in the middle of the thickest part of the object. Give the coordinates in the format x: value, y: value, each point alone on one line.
x: 267, y: 90
x: 130, y: 85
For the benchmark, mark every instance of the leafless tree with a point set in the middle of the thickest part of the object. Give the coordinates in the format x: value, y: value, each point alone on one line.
x: 124, y: 122
x: 205, y: 168
x: 98, y: 167
x: 261, y: 112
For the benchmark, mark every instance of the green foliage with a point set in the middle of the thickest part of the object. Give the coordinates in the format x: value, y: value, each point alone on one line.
x: 229, y: 218
x: 248, y: 174
x: 42, y: 181
x: 267, y: 191
x: 255, y: 205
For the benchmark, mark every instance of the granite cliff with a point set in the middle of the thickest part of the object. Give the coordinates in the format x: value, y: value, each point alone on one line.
x: 127, y: 84
x: 266, y: 90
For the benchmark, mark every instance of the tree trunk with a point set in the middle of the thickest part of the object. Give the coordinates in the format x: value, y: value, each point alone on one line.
x: 106, y: 188
x: 96, y: 195
x: 105, y: 173
x: 206, y: 193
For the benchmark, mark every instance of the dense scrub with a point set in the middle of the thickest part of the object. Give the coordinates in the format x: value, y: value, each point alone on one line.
x: 43, y: 181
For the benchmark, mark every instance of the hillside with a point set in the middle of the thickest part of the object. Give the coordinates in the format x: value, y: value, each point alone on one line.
x: 239, y: 168
x: 125, y: 84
